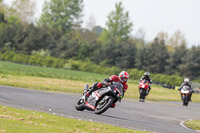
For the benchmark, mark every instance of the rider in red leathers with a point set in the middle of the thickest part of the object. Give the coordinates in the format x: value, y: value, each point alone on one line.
x: 123, y: 78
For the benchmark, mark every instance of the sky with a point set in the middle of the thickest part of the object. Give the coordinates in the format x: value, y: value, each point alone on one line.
x: 153, y: 16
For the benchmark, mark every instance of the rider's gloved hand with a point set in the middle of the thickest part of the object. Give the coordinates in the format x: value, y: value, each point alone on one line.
x: 99, y: 85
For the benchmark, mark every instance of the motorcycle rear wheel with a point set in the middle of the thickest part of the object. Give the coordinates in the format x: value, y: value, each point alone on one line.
x: 106, y: 104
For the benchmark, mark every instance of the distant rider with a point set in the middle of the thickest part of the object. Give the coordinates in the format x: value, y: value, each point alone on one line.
x: 187, y: 83
x: 147, y: 77
x: 123, y: 78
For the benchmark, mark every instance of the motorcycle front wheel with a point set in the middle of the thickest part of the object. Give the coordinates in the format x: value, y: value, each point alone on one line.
x: 103, y: 105
x: 80, y: 105
x: 142, y: 93
x: 185, y: 100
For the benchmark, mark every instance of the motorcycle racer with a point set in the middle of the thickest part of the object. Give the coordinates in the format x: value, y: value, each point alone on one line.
x: 147, y: 77
x: 187, y: 83
x: 123, y: 78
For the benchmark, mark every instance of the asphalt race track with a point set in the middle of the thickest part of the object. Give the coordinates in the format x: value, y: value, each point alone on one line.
x: 160, y: 117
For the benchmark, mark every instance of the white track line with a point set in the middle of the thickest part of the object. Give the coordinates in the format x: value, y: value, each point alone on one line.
x: 182, y: 124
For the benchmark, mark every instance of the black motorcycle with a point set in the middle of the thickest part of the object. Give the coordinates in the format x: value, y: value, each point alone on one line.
x: 100, y: 100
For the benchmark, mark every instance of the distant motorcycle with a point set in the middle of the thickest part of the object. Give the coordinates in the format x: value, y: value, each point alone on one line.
x: 185, y: 95
x: 143, y: 89
x: 102, y: 99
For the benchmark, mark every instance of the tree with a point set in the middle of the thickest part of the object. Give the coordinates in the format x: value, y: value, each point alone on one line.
x: 97, y: 30
x: 89, y: 36
x: 177, y: 39
x: 118, y: 25
x: 121, y: 54
x: 176, y: 59
x: 140, y: 33
x: 90, y: 23
x: 36, y: 39
x: 139, y: 39
x: 1, y: 6
x: 62, y: 14
x: 24, y: 10
x: 2, y: 18
x: 142, y: 58
x: 162, y: 36
x: 2, y: 12
x: 67, y: 46
x: 156, y: 58
x: 191, y: 63
x: 126, y: 56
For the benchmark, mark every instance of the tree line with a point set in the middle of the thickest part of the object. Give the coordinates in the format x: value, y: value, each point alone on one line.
x: 58, y: 33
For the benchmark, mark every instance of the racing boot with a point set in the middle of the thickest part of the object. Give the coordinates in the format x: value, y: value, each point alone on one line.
x: 92, y: 89
x: 113, y: 105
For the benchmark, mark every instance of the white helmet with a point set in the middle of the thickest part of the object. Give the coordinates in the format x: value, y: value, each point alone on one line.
x: 186, y: 80
x: 146, y: 73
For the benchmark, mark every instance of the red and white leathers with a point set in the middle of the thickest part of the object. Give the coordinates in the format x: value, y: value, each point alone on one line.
x: 112, y: 78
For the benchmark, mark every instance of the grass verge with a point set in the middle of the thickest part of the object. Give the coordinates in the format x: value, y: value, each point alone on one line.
x: 14, y: 120
x: 194, y: 124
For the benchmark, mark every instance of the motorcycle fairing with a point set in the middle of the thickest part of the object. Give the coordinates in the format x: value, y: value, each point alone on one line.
x: 97, y: 95
x: 185, y: 89
x: 144, y: 84
x: 94, y: 97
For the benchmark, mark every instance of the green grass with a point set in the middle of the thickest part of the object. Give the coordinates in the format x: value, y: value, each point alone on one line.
x: 194, y: 124
x: 14, y: 120
x: 60, y: 80
x: 8, y: 68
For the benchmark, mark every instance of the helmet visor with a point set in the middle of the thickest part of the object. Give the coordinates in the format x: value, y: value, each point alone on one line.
x: 125, y: 79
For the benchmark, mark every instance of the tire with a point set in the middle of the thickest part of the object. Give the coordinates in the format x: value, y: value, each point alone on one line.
x: 185, y: 101
x: 106, y: 105
x: 183, y: 98
x: 80, y: 105
x: 142, y: 93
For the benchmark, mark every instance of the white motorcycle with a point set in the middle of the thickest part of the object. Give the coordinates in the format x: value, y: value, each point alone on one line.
x: 185, y: 95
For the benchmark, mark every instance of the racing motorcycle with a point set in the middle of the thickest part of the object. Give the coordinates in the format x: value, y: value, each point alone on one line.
x: 102, y: 99
x: 185, y: 95
x: 143, y: 89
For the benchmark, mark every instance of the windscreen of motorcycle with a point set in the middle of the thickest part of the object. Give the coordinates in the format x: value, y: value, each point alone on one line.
x: 145, y: 81
x: 117, y: 85
x: 185, y: 87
